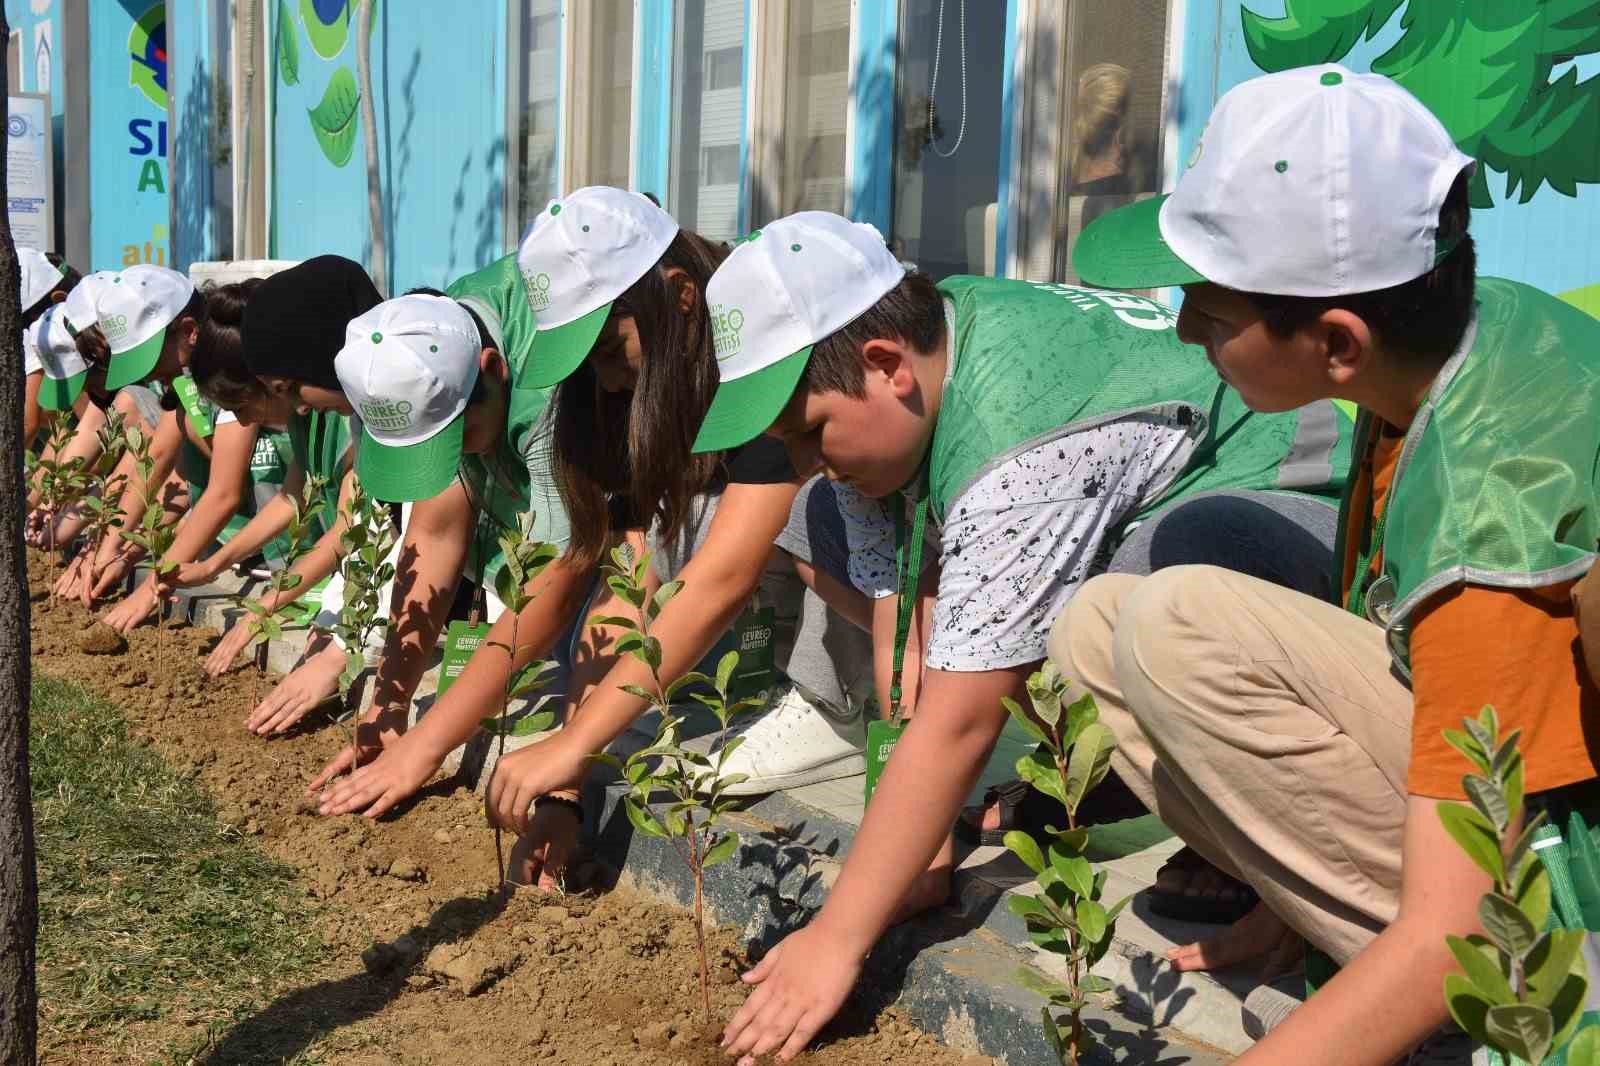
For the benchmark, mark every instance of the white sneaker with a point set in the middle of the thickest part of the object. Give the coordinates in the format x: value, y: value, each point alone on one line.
x: 790, y: 745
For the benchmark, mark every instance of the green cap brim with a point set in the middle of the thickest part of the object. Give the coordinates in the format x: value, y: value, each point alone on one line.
x: 59, y: 394
x: 134, y: 365
x: 745, y: 407
x: 1124, y: 249
x: 413, y: 472
x: 558, y: 351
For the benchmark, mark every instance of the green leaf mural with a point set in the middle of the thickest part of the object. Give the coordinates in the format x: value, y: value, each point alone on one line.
x: 333, y: 120
x: 328, y: 24
x: 288, y: 46
x: 1482, y: 66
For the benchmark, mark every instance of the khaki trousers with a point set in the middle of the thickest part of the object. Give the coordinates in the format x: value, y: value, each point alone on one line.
x: 1264, y: 727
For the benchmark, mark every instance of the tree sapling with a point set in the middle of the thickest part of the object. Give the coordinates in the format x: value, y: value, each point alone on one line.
x: 154, y: 533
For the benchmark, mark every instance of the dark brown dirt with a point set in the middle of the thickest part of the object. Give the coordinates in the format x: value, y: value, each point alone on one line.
x: 429, y: 964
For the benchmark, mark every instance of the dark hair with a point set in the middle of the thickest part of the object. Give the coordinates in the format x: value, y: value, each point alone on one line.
x: 69, y: 281
x: 217, y: 364
x: 912, y: 312
x: 92, y: 345
x: 652, y: 464
x: 296, y: 321
x: 1421, y: 320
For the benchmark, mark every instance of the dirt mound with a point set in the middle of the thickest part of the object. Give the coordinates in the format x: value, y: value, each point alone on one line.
x: 431, y: 964
x: 101, y: 639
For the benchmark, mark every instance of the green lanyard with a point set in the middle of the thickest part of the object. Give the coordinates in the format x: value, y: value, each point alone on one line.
x: 908, y: 559
x: 1371, y: 543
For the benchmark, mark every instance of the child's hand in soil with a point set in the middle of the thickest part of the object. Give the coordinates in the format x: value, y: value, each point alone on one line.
x: 400, y: 769
x: 188, y: 575
x: 799, y: 986
x: 103, y: 582
x: 67, y: 585
x: 133, y: 610
x: 37, y: 531
x: 540, y: 856
x: 307, y: 687
x: 523, y: 776
x: 226, y: 653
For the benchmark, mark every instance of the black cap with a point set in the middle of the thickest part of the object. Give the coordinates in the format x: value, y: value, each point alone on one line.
x: 294, y: 323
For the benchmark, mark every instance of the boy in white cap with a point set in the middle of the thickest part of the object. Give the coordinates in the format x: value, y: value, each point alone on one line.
x: 1321, y: 239
x: 1032, y: 426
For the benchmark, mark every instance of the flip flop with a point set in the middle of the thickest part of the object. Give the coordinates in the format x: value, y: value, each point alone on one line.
x: 1209, y: 909
x: 1024, y: 807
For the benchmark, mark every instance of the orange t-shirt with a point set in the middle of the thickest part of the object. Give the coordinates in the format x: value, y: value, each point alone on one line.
x: 1472, y: 645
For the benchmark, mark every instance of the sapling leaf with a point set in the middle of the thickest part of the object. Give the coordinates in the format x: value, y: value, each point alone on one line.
x: 1524, y: 1030
x: 641, y: 818
x: 1468, y: 1007
x: 1475, y: 835
x: 1088, y: 763
x: 1035, y: 981
x: 1026, y: 907
x: 1023, y: 847
x: 530, y: 724
x: 1074, y: 871
x: 1480, y: 963
x: 725, y: 846
x: 1038, y: 770
x: 1021, y: 717
x: 725, y: 668
x: 1072, y: 841
x: 1585, y: 1048
x: 1533, y: 895
x: 1567, y: 1009
x: 1081, y: 714
x: 1094, y: 983
x: 1092, y: 920
x: 636, y: 690
x: 1550, y: 963
x: 1508, y: 927
x: 1487, y: 800
x: 664, y: 596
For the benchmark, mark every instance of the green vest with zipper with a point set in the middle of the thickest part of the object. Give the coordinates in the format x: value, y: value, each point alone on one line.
x: 319, y: 442
x: 1036, y: 363
x: 1498, y: 479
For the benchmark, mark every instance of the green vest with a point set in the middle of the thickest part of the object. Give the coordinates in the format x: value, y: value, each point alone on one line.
x: 1034, y: 363
x: 499, y: 482
x: 319, y: 443
x: 268, y: 467
x: 1496, y: 483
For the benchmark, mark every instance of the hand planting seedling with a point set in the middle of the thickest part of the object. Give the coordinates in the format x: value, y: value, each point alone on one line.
x: 154, y: 534
x: 1069, y: 917
x: 102, y: 502
x: 266, y: 618
x: 59, y: 482
x: 525, y: 559
x: 364, y: 552
x: 1523, y: 984
x: 694, y: 781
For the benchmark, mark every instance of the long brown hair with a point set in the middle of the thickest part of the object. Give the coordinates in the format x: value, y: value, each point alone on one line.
x: 217, y: 363
x: 650, y: 464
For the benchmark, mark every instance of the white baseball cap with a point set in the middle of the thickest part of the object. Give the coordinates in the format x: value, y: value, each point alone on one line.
x: 1310, y: 182
x: 408, y: 367
x: 81, y: 303
x: 135, y: 308
x: 37, y: 276
x: 785, y: 287
x: 582, y: 252
x: 58, y: 356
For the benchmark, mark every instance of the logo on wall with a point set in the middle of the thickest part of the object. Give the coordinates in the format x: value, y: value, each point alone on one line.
x: 17, y: 126
x: 147, y: 54
x: 334, y: 121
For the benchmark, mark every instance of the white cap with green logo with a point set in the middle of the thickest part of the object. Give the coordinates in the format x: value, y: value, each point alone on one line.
x: 582, y: 252
x: 135, y: 309
x: 36, y: 276
x: 785, y: 287
x: 57, y: 353
x: 408, y: 367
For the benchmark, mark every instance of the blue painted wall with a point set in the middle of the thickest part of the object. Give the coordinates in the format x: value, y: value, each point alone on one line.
x: 128, y: 130
x: 1546, y: 242
x: 22, y: 16
x: 191, y: 77
x: 652, y: 97
x: 439, y: 92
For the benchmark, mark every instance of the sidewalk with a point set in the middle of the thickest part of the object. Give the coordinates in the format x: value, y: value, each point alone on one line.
x: 953, y: 970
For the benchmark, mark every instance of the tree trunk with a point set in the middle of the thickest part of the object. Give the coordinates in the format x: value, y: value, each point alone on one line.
x: 369, y: 138
x: 19, y: 888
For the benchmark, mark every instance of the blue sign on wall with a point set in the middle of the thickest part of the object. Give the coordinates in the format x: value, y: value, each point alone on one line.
x: 128, y: 126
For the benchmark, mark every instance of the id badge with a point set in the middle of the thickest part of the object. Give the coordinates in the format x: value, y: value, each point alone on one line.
x: 882, y: 736
x: 189, y: 395
x: 753, y: 633
x: 460, y: 641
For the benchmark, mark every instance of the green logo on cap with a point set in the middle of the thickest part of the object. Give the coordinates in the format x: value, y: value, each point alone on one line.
x: 726, y: 323
x: 388, y: 416
x: 115, y: 327
x: 538, y: 290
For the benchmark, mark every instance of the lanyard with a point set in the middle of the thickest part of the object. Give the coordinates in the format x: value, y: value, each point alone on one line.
x: 908, y: 559
x: 1370, y: 544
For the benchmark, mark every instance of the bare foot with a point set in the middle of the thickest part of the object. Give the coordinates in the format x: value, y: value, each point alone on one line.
x: 308, y: 686
x: 1260, y: 934
x: 539, y: 857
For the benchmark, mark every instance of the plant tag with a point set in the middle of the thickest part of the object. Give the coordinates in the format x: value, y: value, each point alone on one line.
x: 189, y: 395
x: 460, y: 641
x: 757, y: 653
x: 882, y: 736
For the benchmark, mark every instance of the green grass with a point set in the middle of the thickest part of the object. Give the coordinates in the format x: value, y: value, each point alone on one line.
x: 149, y: 909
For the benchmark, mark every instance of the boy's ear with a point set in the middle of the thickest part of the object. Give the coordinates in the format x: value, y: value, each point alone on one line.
x: 58, y: 296
x: 688, y: 291
x: 1347, y: 344
x: 491, y: 364
x: 891, y: 359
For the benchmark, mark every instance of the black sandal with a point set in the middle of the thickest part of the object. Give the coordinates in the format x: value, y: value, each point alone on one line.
x: 1026, y: 808
x: 1206, y: 909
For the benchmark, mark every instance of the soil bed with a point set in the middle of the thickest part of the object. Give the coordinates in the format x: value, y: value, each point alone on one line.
x: 426, y: 962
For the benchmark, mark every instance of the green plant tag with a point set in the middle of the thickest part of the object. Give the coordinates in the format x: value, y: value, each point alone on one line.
x: 189, y: 395
x: 460, y: 641
x: 882, y: 736
x: 757, y: 654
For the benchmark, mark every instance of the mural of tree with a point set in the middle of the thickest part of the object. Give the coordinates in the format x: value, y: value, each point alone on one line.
x: 1482, y: 66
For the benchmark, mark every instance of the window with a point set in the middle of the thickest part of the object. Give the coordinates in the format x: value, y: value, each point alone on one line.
x: 948, y: 117
x: 606, y: 129
x: 800, y: 159
x: 725, y: 68
x: 538, y: 107
x: 1113, y: 129
x: 703, y: 190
